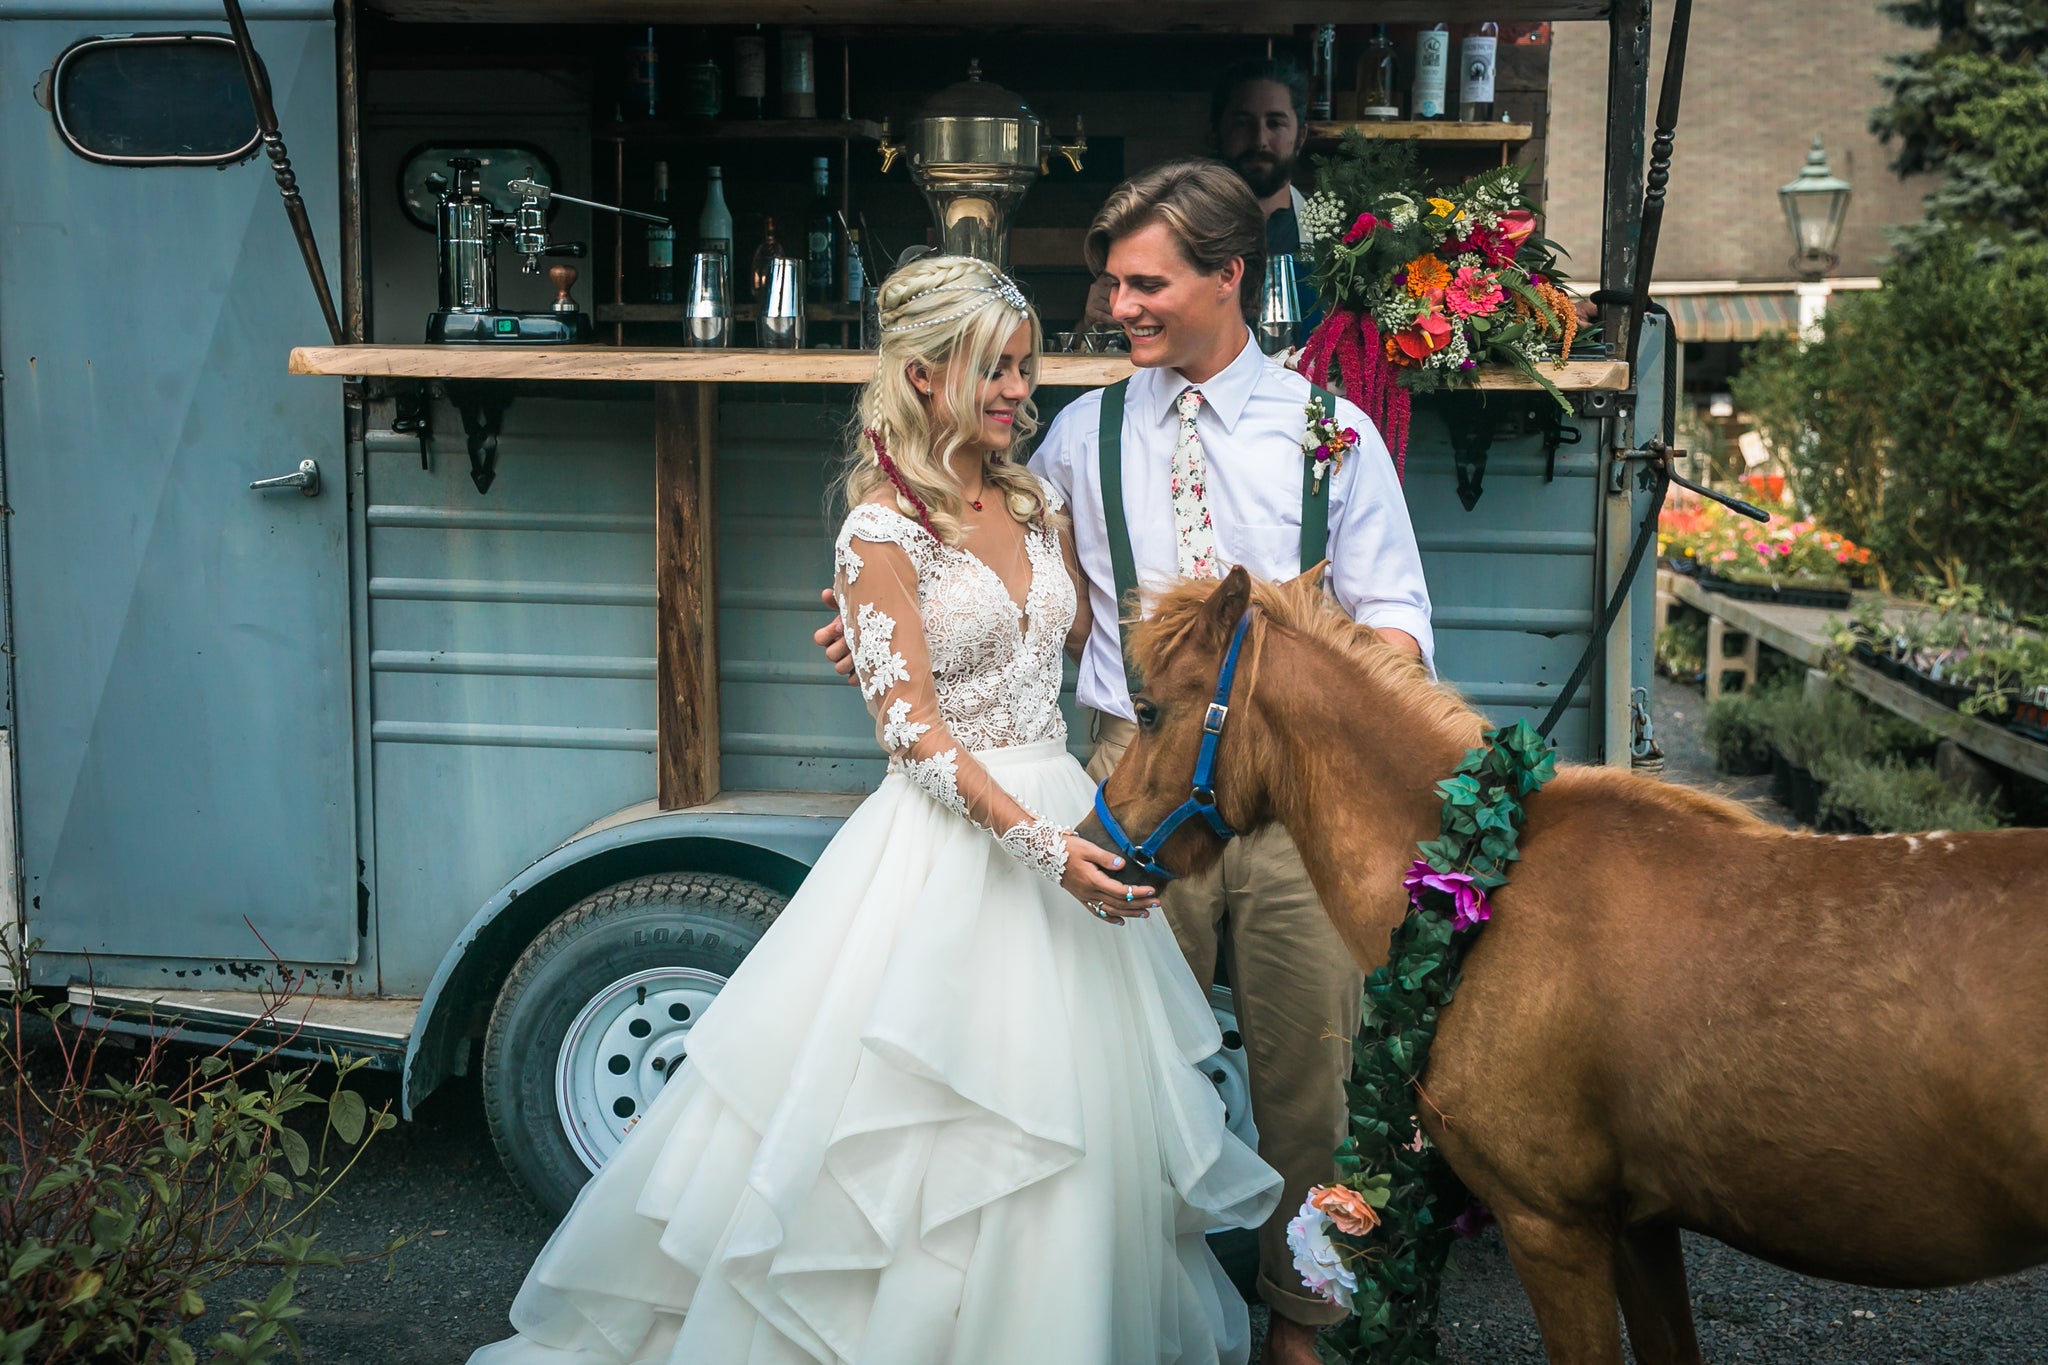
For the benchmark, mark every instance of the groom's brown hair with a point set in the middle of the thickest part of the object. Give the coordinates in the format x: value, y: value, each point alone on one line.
x: 1205, y: 205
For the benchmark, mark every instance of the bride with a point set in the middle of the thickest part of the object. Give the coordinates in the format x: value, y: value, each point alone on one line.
x: 947, y: 1110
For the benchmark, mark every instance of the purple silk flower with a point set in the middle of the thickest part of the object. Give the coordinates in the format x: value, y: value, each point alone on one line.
x: 1469, y: 902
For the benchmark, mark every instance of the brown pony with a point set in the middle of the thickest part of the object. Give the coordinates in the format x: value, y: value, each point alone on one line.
x: 1827, y: 1052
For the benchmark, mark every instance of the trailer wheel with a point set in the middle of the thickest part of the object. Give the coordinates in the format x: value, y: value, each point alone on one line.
x: 596, y: 1015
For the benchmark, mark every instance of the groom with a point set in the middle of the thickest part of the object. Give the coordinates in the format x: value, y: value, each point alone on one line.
x: 1181, y: 248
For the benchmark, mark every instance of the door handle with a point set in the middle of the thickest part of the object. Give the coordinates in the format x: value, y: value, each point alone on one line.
x: 306, y: 479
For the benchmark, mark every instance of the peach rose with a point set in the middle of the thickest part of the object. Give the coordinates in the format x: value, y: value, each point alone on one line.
x: 1345, y: 1208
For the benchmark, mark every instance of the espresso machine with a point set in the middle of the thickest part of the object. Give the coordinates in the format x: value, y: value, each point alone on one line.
x: 974, y: 150
x: 467, y: 228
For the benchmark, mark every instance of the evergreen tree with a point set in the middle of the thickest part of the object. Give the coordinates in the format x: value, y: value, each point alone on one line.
x: 1973, y: 109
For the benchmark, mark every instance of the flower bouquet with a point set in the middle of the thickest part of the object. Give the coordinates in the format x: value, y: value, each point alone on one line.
x: 1792, y: 554
x: 1419, y: 289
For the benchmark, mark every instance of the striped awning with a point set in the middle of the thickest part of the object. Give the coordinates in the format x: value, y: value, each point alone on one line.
x: 1743, y: 316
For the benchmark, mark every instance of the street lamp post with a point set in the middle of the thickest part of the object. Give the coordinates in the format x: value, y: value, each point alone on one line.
x: 1815, y: 205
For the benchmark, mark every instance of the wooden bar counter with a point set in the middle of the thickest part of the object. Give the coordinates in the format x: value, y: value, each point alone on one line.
x: 685, y: 439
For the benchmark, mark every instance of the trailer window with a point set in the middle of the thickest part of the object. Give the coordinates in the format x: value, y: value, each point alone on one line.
x: 154, y: 99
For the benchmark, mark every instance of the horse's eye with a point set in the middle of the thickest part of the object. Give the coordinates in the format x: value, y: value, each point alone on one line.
x: 1148, y: 714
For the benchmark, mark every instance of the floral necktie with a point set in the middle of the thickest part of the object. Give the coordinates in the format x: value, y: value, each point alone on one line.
x: 1193, y: 530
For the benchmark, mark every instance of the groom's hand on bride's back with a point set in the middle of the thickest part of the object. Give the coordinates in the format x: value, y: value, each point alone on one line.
x: 831, y: 637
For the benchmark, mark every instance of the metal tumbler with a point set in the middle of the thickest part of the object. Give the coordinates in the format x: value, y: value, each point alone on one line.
x: 780, y: 308
x: 708, y: 305
x: 1279, y: 306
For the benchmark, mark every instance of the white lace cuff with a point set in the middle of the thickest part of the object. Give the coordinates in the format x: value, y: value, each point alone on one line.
x: 1040, y: 845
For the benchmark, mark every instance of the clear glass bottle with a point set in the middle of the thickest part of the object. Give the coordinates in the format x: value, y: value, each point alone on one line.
x: 661, y: 244
x: 799, y: 74
x: 1477, y: 60
x: 1323, y: 74
x: 1376, y: 78
x: 750, y: 74
x: 821, y: 235
x: 1432, y: 69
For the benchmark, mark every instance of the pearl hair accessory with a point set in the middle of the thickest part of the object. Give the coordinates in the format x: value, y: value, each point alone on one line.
x: 1001, y: 285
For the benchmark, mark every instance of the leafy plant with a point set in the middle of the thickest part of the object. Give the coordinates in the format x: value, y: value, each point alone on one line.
x: 141, y: 1182
x: 1888, y: 795
x: 1738, y: 734
x: 1681, y: 647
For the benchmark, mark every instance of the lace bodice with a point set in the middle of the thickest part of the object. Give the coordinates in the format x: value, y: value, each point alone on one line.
x: 948, y: 663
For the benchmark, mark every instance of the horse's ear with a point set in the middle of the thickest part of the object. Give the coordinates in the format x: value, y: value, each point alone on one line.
x: 1310, y: 578
x: 1229, y: 601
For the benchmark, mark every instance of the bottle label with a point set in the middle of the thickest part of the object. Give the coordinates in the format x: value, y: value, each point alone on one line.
x: 1379, y: 111
x: 707, y: 90
x: 1432, y: 60
x: 799, y: 76
x: 820, y: 244
x: 856, y: 278
x: 750, y: 68
x: 1478, y: 70
x: 661, y: 250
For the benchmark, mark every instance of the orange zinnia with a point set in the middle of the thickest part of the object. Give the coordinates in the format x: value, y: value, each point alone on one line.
x: 1426, y: 273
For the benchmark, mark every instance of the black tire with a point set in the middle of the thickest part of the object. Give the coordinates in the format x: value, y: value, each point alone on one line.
x: 670, y: 920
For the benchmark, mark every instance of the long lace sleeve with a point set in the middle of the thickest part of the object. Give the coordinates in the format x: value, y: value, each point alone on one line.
x: 877, y: 583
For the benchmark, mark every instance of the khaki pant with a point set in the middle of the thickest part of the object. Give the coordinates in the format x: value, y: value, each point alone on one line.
x: 1297, y: 993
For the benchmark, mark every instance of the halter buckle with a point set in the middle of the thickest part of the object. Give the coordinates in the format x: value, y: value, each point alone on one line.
x: 1212, y: 723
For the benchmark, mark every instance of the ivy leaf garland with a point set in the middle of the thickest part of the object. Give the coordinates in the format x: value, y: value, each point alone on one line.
x: 1391, y: 1275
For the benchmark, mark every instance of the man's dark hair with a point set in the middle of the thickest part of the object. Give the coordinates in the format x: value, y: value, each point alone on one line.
x: 1277, y: 69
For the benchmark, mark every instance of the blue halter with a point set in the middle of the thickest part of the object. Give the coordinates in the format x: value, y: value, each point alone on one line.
x: 1202, y: 800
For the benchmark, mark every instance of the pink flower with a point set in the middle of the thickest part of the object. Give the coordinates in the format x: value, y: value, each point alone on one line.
x: 1518, y: 226
x: 1491, y: 243
x: 1360, y: 229
x: 1472, y: 292
x: 1469, y: 903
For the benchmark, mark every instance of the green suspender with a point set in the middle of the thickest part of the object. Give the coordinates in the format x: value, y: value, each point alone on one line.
x: 1315, y: 510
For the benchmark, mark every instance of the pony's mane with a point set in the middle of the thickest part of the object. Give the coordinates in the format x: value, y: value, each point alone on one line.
x: 1302, y: 608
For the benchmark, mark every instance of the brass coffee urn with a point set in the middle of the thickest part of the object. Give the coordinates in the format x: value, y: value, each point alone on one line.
x: 974, y: 150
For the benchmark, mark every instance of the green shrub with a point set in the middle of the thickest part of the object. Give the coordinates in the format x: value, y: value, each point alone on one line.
x: 1737, y: 736
x: 1681, y: 647
x: 1889, y: 796
x: 140, y: 1182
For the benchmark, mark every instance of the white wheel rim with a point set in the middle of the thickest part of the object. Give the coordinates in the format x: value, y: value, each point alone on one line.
x: 1230, y: 1070
x: 621, y: 1049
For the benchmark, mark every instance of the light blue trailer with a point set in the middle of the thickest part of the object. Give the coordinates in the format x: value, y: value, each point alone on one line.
x: 395, y: 742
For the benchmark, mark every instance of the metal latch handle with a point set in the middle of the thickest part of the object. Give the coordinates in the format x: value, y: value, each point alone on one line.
x: 306, y: 479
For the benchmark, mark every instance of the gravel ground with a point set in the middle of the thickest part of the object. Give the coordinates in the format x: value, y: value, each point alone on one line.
x: 438, y: 1178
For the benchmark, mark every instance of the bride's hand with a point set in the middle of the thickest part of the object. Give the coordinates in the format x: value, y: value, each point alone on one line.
x: 1088, y: 881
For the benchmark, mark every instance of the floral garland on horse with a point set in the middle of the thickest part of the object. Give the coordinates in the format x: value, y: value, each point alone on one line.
x: 1376, y: 1243
x: 1419, y: 288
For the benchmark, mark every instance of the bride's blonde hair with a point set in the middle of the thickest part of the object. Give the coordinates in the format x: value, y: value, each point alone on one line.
x: 951, y: 314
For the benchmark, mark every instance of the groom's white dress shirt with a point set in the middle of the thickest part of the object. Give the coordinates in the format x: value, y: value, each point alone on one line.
x: 1251, y: 423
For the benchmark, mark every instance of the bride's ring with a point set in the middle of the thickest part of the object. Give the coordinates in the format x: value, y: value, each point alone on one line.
x: 1099, y: 910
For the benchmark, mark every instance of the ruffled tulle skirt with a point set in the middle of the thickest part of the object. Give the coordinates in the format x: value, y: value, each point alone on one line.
x: 941, y: 1113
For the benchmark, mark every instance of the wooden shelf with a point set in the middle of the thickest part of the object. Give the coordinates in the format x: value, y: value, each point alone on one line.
x: 1402, y: 131
x: 744, y: 130
x: 1053, y: 16
x: 735, y: 366
x: 675, y: 312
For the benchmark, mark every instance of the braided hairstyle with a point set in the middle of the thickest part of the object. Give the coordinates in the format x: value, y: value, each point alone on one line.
x: 894, y: 441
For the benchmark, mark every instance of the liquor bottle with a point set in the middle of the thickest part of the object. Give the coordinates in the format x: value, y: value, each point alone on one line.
x: 856, y: 277
x: 661, y: 244
x: 1323, y: 73
x: 799, y: 75
x: 770, y: 248
x: 1432, y: 62
x: 750, y: 74
x: 714, y: 224
x: 821, y: 240
x: 1476, y: 65
x: 1376, y: 77
x: 643, y: 78
x: 703, y: 87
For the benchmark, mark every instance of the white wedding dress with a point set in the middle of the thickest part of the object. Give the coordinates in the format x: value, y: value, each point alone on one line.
x: 941, y: 1113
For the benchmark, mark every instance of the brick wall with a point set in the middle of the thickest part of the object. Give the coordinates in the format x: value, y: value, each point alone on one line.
x: 1761, y: 78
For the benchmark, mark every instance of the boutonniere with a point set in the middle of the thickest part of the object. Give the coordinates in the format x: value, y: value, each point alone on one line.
x: 1326, y: 443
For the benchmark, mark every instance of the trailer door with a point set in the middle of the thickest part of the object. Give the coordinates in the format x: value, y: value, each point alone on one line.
x: 182, y: 681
